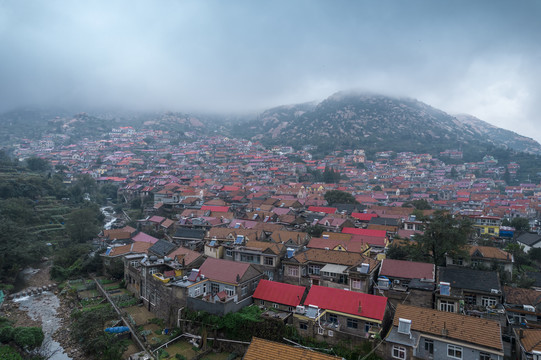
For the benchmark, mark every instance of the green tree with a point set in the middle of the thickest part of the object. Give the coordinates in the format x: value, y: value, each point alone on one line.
x: 535, y: 254
x: 520, y: 224
x: 87, y: 183
x: 377, y: 188
x: 330, y: 176
x: 444, y: 235
x: 454, y: 173
x: 520, y: 257
x: 420, y: 204
x: 397, y: 252
x: 82, y: 224
x: 315, y: 231
x: 339, y: 197
x: 37, y: 164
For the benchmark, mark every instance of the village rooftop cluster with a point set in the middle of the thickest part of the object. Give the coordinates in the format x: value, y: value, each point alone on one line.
x: 232, y: 225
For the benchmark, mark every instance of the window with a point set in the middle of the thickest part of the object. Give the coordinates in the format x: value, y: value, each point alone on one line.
x: 291, y: 309
x: 352, y: 323
x: 491, y: 230
x: 330, y: 332
x: 249, y: 258
x: 152, y: 271
x: 292, y: 271
x: 488, y: 301
x: 484, y: 356
x: 215, y: 288
x: 229, y: 291
x: 244, y: 290
x: 320, y: 331
x: 398, y: 352
x: 448, y: 306
x: 470, y: 299
x: 275, y: 306
x: 333, y: 318
x: 429, y: 346
x: 269, y: 261
x: 409, y: 226
x: 454, y: 351
x: 355, y: 284
x: 303, y: 326
x: 135, y: 263
x: 458, y: 261
x: 228, y: 253
x: 367, y: 327
x: 314, y: 269
x: 261, y: 302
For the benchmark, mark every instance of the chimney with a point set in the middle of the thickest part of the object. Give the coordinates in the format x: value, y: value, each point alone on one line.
x: 444, y: 331
x: 521, y: 334
x: 360, y: 308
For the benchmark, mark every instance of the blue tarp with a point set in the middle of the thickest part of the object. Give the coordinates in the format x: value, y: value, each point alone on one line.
x: 117, y: 329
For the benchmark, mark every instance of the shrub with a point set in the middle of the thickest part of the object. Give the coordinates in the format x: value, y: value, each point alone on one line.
x: 6, y: 334
x: 28, y: 337
x: 8, y: 353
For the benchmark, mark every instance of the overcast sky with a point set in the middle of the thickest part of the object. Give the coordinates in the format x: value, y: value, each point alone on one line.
x: 476, y: 57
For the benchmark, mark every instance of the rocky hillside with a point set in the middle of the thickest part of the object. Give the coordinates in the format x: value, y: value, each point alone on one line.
x: 369, y: 121
x: 499, y: 136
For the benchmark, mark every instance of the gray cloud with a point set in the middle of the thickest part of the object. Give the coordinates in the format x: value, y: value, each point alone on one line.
x: 478, y: 57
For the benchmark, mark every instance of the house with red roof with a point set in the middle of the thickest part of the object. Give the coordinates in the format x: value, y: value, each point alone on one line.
x: 277, y: 295
x: 322, y: 209
x: 227, y: 286
x: 141, y: 236
x: 334, y: 315
x: 407, y: 282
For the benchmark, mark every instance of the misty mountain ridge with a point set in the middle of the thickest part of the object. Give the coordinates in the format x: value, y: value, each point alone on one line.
x: 345, y: 120
x: 378, y: 122
x: 501, y: 137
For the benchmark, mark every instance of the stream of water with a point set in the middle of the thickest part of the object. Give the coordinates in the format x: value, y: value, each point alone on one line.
x: 110, y: 218
x: 45, y: 307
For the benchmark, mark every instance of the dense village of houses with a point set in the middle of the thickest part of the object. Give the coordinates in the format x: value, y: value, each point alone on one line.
x: 230, y: 221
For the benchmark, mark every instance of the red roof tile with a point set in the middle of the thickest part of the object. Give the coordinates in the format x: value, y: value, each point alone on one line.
x: 347, y: 302
x: 363, y: 217
x: 144, y: 238
x: 323, y: 209
x: 280, y: 293
x: 367, y: 232
x: 407, y: 269
x: 215, y: 208
x: 223, y: 270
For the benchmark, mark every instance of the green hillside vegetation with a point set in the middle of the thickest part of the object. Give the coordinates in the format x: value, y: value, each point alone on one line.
x: 37, y: 221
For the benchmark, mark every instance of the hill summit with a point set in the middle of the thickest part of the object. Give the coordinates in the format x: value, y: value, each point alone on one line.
x: 377, y: 122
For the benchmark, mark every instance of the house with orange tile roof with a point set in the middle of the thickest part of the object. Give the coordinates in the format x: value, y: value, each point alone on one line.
x: 421, y: 333
x: 261, y: 349
x: 114, y: 256
x: 485, y: 257
x: 528, y: 344
x: 227, y: 286
x: 330, y: 268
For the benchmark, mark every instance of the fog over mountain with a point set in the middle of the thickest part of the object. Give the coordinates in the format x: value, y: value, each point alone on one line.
x: 479, y: 57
